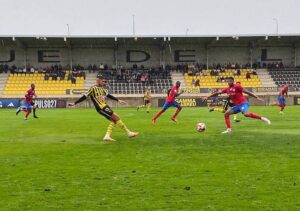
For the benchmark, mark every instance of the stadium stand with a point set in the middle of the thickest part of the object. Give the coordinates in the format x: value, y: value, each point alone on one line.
x: 135, y: 81
x: 18, y: 83
x: 217, y: 79
x: 290, y: 76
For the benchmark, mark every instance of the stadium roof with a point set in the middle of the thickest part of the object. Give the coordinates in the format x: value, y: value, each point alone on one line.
x: 145, y: 18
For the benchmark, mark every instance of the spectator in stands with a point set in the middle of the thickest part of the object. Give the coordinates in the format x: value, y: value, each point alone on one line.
x: 31, y: 70
x: 238, y: 72
x: 254, y: 72
x: 193, y: 82
x: 101, y: 67
x: 197, y: 83
x: 46, y: 77
x: 248, y: 75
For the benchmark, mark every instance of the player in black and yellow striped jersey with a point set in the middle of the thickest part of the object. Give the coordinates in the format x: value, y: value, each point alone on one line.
x: 98, y: 94
x: 147, y: 102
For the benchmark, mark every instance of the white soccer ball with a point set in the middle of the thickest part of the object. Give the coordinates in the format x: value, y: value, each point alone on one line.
x: 200, y: 127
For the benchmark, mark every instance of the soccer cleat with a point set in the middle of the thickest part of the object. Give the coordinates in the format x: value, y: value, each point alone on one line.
x: 281, y: 112
x: 108, y: 139
x: 264, y: 119
x: 18, y: 111
x: 138, y: 108
x: 148, y: 112
x: 25, y: 119
x: 236, y: 120
x: 228, y: 131
x: 35, y: 116
x: 153, y: 121
x: 211, y: 109
x: 174, y: 120
x: 132, y: 134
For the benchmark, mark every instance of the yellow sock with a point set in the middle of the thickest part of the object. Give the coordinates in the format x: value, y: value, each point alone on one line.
x: 142, y: 106
x: 123, y: 126
x: 110, y: 128
x: 219, y: 109
x: 148, y: 107
x: 234, y: 117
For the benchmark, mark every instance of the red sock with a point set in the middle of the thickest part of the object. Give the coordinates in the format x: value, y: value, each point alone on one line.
x: 158, y: 114
x: 24, y: 109
x: 282, y: 107
x: 176, y: 113
x: 27, y: 113
x: 253, y: 115
x: 227, y: 121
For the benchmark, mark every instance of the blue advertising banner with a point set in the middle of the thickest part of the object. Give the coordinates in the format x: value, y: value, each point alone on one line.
x: 9, y: 103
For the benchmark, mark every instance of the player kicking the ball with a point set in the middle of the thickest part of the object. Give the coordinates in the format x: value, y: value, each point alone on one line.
x: 235, y: 92
x: 170, y: 101
x: 98, y: 94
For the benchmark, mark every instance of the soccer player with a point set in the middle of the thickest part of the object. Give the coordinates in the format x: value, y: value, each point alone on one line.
x: 281, y: 98
x: 170, y: 101
x: 27, y: 104
x: 235, y: 92
x: 98, y: 94
x: 226, y: 103
x: 147, y: 98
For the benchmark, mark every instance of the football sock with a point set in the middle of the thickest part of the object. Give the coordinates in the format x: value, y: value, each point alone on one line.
x: 123, y: 126
x: 282, y: 107
x: 176, y: 113
x: 219, y: 109
x: 227, y: 121
x: 110, y: 128
x: 158, y: 114
x: 253, y: 115
x: 27, y: 113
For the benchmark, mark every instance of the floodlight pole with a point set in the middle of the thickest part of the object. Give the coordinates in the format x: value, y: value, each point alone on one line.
x: 133, y: 25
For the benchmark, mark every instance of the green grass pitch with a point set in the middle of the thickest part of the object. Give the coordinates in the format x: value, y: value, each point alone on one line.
x: 59, y: 162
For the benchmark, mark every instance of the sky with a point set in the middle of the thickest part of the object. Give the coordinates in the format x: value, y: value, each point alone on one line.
x: 151, y: 17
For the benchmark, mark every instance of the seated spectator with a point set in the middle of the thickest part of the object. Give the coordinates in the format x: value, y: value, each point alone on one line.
x: 248, y: 75
x: 254, y: 72
x: 238, y: 72
x: 46, y: 77
x: 31, y: 70
x: 197, y: 83
x: 101, y: 67
x: 193, y: 82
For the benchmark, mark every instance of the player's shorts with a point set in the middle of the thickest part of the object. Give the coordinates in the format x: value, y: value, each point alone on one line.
x: 243, y: 108
x: 227, y: 103
x: 27, y: 105
x: 281, y: 100
x: 173, y: 104
x: 146, y: 102
x: 105, y: 111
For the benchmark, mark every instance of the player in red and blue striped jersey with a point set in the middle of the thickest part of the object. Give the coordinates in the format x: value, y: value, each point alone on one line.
x: 170, y: 102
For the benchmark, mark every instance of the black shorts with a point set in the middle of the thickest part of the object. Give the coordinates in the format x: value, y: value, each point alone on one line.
x: 146, y: 102
x: 227, y: 103
x: 105, y: 111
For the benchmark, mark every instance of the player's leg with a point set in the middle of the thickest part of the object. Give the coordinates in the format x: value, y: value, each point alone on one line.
x: 165, y: 107
x: 227, y: 114
x: 148, y: 107
x: 282, y: 102
x: 34, y: 110
x: 117, y: 120
x: 245, y: 110
x: 28, y: 110
x: 110, y: 128
x: 179, y: 108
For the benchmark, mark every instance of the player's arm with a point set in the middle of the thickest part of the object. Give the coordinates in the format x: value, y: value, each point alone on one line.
x: 212, y: 95
x: 252, y: 95
x: 115, y: 99
x: 83, y: 98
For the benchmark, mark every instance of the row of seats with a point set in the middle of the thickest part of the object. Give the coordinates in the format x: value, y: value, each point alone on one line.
x: 19, y: 83
x: 211, y: 81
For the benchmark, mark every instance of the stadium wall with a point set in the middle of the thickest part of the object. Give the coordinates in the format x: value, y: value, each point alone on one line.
x: 154, y: 55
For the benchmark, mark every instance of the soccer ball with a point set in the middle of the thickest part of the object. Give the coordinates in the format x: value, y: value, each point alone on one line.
x: 200, y: 127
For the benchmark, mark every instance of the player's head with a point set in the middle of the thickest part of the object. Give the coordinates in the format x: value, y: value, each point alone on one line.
x: 177, y: 84
x: 32, y: 86
x: 100, y: 81
x: 230, y: 81
x: 238, y: 82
